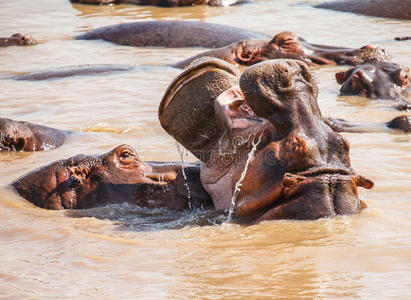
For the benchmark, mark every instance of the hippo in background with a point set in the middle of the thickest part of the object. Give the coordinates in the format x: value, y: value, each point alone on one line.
x: 235, y: 45
x: 26, y: 136
x: 164, y: 3
x: 401, y: 123
x: 86, y: 181
x: 300, y: 168
x: 17, y: 39
x: 397, y: 9
x: 377, y: 80
x: 288, y: 45
x: 244, y: 52
x: 172, y: 34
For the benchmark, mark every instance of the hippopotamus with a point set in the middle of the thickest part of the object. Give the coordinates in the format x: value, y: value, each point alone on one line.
x: 164, y: 3
x: 398, y: 9
x: 402, y: 123
x: 86, y: 181
x: 403, y: 38
x: 288, y: 45
x: 173, y: 34
x: 72, y: 71
x: 26, y: 136
x: 265, y: 151
x: 376, y: 80
x: 17, y: 39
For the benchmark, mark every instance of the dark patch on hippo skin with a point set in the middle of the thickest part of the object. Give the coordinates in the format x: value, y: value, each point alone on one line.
x: 397, y: 9
x: 173, y: 34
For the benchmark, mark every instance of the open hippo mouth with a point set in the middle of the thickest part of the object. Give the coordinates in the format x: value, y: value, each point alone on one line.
x: 308, y: 163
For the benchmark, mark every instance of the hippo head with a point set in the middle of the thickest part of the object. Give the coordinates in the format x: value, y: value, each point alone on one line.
x: 24, y: 40
x: 118, y: 176
x: 25, y: 136
x: 308, y: 162
x: 378, y: 80
x: 288, y: 45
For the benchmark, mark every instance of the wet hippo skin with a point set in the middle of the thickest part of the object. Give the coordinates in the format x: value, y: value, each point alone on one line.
x: 26, y: 136
x: 301, y: 167
x: 171, y: 34
x: 383, y: 80
x: 85, y: 181
x: 398, y: 9
x: 17, y: 39
x: 377, y: 80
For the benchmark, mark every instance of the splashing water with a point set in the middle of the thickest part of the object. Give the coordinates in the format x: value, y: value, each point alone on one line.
x: 237, y: 188
x: 181, y: 152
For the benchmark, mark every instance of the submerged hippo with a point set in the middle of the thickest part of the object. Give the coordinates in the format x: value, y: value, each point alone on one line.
x: 288, y: 45
x: 300, y: 169
x: 173, y: 34
x: 26, y: 136
x: 384, y: 80
x: 85, y: 181
x: 17, y: 39
x: 377, y: 80
x: 398, y: 9
x: 402, y: 123
x: 164, y: 3
x: 72, y: 71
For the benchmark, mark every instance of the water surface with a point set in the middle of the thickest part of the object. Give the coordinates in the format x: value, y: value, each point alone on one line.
x: 122, y: 251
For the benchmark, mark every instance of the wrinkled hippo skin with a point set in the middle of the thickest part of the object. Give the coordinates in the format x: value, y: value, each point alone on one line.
x: 377, y: 80
x: 163, y: 3
x: 398, y: 9
x: 173, y: 34
x: 287, y: 45
x: 26, y: 136
x: 17, y: 39
x: 86, y: 181
x: 72, y: 71
x: 301, y: 168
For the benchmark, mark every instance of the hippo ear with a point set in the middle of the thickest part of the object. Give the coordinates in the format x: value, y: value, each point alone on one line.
x: 247, y: 53
x: 341, y: 77
x: 401, y: 77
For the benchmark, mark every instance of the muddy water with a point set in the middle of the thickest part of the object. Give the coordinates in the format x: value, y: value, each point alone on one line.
x: 127, y: 252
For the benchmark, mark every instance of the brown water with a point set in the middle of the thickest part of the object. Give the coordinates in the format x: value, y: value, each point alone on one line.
x: 121, y: 251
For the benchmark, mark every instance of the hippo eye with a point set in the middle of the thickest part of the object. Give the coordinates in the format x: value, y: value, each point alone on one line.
x: 128, y: 157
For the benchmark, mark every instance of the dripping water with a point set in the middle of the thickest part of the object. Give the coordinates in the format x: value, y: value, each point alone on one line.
x: 237, y: 188
x: 181, y: 152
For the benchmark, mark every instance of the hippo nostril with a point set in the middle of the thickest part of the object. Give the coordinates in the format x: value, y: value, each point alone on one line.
x: 19, y: 144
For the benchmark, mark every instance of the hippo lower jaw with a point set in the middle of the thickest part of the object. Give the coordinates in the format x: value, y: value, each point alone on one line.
x: 318, y: 193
